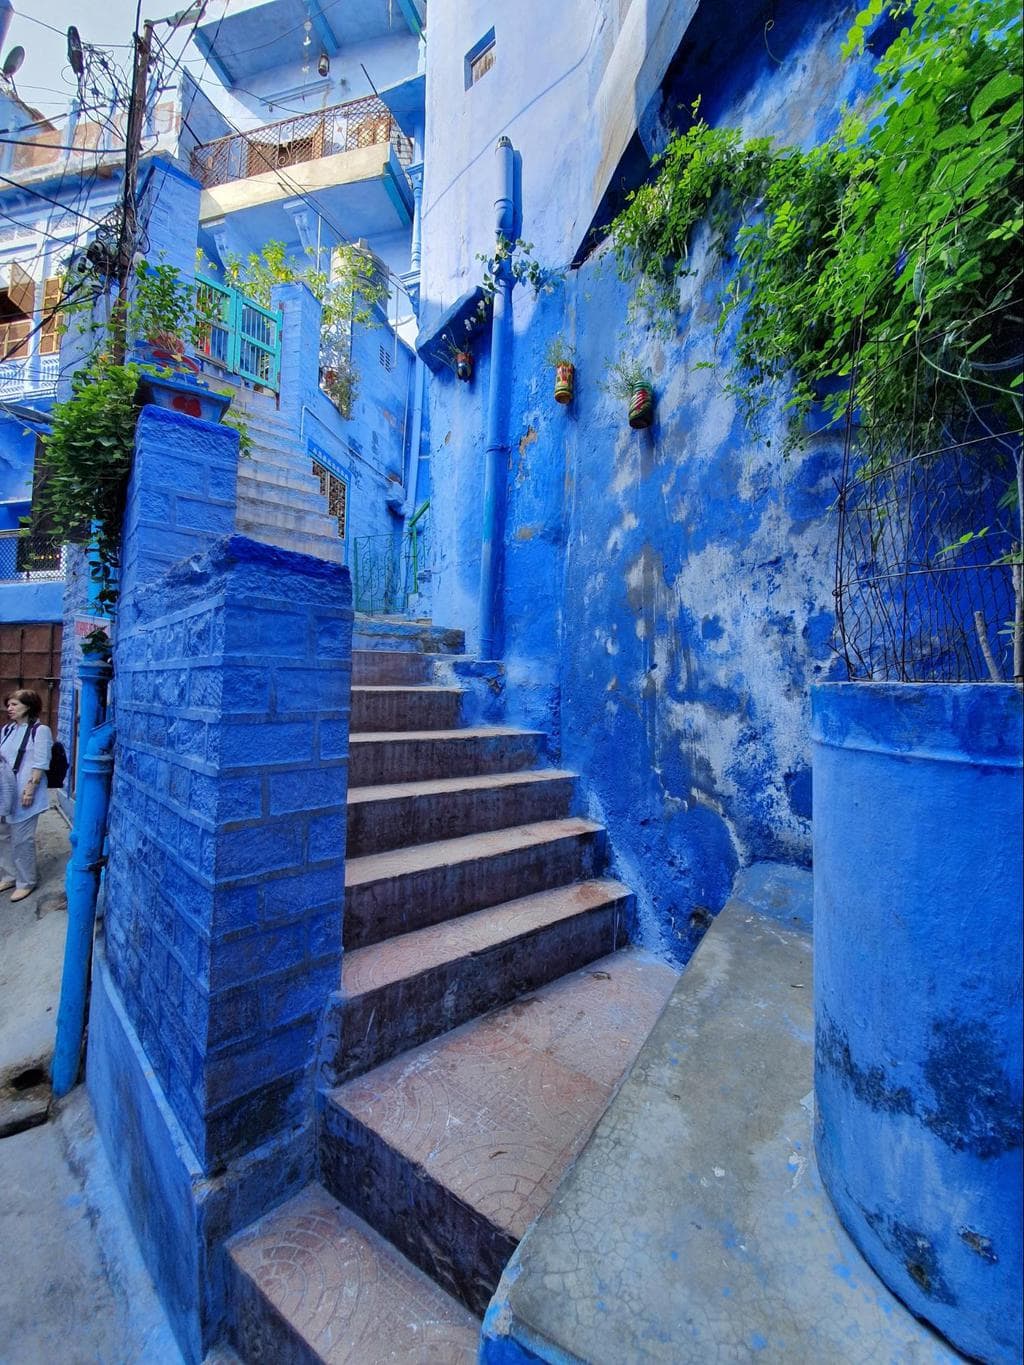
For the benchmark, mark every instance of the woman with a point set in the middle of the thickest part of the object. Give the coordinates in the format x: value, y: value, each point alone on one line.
x: 25, y: 744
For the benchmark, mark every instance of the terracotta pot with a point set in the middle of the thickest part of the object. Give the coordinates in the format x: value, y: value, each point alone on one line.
x: 641, y: 407
x: 565, y: 381
x: 463, y: 365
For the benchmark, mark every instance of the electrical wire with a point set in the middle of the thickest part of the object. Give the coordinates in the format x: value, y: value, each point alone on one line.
x: 38, y: 194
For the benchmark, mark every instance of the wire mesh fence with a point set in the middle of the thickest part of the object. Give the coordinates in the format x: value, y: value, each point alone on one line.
x: 29, y: 558
x: 928, y: 568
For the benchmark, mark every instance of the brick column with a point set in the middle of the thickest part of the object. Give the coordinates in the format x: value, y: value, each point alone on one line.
x: 300, y: 349
x: 226, y: 871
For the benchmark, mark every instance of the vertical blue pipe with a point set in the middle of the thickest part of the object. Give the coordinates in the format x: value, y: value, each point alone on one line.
x: 94, y: 673
x: 496, y: 454
x: 92, y: 795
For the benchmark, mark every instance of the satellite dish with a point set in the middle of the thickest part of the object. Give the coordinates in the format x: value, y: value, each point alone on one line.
x: 75, y: 52
x: 13, y: 61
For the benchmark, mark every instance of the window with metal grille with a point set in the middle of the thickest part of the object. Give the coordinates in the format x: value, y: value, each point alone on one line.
x: 480, y: 59
x: 385, y: 357
x: 50, y: 328
x: 335, y: 490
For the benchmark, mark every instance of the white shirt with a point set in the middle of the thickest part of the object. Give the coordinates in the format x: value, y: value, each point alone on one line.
x: 37, y: 755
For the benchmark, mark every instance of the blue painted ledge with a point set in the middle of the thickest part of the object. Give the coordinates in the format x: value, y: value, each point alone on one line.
x: 430, y: 344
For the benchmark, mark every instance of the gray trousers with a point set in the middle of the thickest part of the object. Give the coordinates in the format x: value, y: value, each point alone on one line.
x: 18, y: 851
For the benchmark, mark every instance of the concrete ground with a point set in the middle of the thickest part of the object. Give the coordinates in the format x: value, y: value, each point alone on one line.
x: 31, y: 956
x: 74, y: 1288
x: 694, y: 1226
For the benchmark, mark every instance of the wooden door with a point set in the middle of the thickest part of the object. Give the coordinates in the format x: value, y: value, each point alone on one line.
x: 30, y: 657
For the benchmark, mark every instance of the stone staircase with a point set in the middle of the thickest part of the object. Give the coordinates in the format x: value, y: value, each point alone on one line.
x: 279, y: 498
x: 487, y: 1012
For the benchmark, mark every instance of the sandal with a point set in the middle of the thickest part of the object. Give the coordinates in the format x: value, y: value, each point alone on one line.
x: 8, y: 885
x: 20, y: 895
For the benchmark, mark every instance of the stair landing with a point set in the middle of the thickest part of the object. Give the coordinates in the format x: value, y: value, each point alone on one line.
x: 694, y: 1227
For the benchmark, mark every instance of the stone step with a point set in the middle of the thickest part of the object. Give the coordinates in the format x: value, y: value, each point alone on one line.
x: 384, y: 817
x: 697, y: 1207
x: 411, y: 888
x: 451, y: 1150
x: 416, y: 755
x: 378, y: 667
x: 311, y: 1282
x: 379, y: 708
x: 253, y: 487
x: 320, y: 547
x: 289, y: 473
x: 298, y: 519
x: 400, y: 993
x: 391, y: 632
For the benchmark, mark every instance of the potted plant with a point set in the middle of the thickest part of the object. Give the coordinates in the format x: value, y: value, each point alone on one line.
x: 165, y: 314
x: 560, y: 356
x: 630, y: 380
x: 459, y: 357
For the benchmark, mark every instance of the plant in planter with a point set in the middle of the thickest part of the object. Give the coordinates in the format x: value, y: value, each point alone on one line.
x: 631, y: 381
x: 459, y: 355
x: 560, y: 355
x: 168, y: 314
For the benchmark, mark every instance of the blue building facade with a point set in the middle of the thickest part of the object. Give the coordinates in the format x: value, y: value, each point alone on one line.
x: 667, y: 593
x: 658, y: 602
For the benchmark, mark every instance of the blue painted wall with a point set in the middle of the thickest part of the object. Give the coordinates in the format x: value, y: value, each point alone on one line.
x: 667, y: 594
x: 224, y: 883
x: 917, y: 979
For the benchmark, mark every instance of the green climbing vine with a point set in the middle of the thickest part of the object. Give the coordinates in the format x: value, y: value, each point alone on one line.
x: 891, y: 249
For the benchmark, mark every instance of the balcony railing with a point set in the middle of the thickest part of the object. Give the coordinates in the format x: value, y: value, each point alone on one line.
x: 30, y: 559
x: 307, y: 137
x: 242, y: 335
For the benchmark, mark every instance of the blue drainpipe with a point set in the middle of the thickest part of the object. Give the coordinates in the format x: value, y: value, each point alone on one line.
x: 496, y: 455
x: 92, y: 796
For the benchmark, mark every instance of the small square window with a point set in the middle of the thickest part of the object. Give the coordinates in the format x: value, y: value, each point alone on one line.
x: 480, y: 59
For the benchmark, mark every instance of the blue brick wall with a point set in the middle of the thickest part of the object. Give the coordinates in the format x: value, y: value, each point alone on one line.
x: 227, y: 830
x: 227, y: 833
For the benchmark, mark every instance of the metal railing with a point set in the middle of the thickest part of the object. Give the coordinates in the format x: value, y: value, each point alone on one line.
x: 27, y: 558
x: 346, y: 127
x: 242, y: 335
x: 389, y: 573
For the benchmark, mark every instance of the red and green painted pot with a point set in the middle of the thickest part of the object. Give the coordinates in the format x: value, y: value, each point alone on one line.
x: 463, y: 365
x: 641, y: 407
x: 565, y: 382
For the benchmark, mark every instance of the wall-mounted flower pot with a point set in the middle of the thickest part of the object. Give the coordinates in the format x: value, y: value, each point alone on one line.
x: 565, y: 383
x: 641, y: 407
x: 463, y: 365
x: 182, y: 392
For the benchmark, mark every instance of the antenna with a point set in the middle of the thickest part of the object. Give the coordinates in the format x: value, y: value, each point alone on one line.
x: 13, y: 61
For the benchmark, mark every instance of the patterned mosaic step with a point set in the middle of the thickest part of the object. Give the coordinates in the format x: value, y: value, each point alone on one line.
x: 405, y: 708
x: 311, y: 1282
x: 406, y: 990
x: 451, y: 1150
x: 415, y: 756
x: 403, y: 813
x: 410, y: 888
